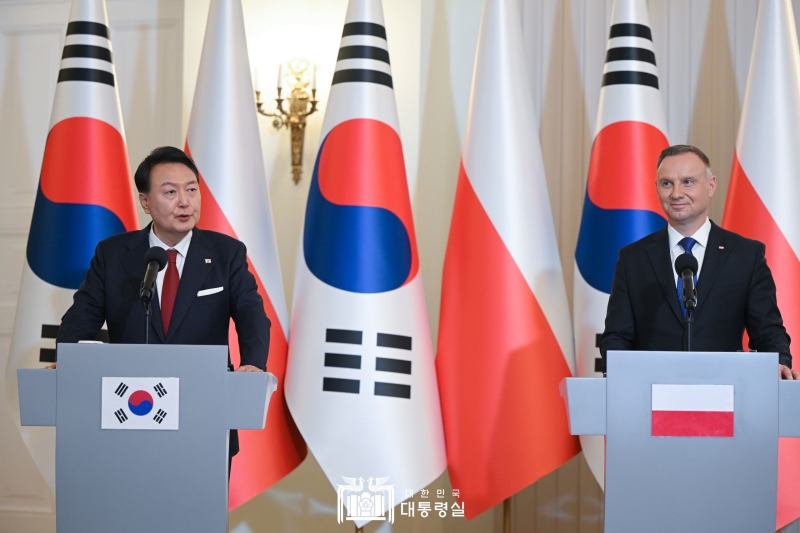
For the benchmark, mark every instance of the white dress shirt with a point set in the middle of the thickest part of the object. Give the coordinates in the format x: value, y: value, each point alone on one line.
x: 182, y: 248
x: 699, y: 249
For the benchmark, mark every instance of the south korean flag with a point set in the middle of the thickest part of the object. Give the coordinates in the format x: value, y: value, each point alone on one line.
x: 140, y: 403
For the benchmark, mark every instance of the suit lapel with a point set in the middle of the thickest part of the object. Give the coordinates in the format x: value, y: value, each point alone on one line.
x: 658, y: 252
x: 195, y: 272
x: 717, y: 250
x: 133, y: 264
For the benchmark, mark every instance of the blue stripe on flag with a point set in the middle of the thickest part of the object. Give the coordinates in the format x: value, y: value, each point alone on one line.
x: 603, y: 232
x: 63, y: 238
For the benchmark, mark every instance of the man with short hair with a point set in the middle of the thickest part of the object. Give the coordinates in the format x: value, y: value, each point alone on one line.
x: 735, y: 289
x: 206, y: 282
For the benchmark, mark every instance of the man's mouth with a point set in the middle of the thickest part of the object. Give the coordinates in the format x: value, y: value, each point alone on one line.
x: 183, y: 218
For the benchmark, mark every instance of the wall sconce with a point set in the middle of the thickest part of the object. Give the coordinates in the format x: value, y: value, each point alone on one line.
x: 301, y: 105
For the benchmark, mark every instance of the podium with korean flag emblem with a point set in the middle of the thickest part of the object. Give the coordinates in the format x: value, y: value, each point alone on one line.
x: 142, y: 433
x: 691, y: 438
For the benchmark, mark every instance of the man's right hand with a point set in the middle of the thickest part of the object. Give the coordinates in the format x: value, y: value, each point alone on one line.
x: 51, y: 367
x: 788, y: 373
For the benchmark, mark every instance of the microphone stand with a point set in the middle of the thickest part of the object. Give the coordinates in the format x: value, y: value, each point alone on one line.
x: 146, y: 296
x: 688, y: 321
x: 689, y: 304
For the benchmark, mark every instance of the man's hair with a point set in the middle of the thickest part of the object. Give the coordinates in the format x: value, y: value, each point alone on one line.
x: 161, y: 155
x: 679, y: 149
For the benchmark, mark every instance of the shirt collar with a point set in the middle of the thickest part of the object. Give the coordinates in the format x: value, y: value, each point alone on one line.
x: 701, y: 235
x: 182, y: 247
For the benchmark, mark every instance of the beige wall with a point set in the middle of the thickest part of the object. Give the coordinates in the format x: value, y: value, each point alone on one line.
x: 702, y: 49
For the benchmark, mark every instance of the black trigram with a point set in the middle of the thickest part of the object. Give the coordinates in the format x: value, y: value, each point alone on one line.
x: 160, y: 390
x: 91, y: 54
x: 160, y: 416
x: 342, y: 360
x: 363, y: 56
x: 50, y: 331
x: 121, y: 388
x: 353, y: 362
x: 599, y: 363
x: 633, y: 52
x: 121, y: 416
x: 394, y: 365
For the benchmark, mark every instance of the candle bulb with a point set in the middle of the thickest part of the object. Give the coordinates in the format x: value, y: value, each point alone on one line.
x: 280, y: 77
x: 314, y: 78
x: 255, y: 79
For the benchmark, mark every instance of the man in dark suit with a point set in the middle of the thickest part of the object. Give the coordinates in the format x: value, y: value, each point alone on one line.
x: 735, y: 289
x: 205, y: 284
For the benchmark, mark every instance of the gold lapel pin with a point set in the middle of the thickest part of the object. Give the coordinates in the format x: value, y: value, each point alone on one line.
x: 208, y: 261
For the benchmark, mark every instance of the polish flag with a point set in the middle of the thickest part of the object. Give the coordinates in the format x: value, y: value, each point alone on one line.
x: 85, y: 195
x: 692, y: 411
x: 764, y: 192
x: 224, y: 142
x: 505, y: 341
x: 621, y: 205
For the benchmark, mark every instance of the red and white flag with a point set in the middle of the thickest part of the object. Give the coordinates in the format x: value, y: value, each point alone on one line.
x: 764, y: 190
x: 692, y: 410
x: 505, y: 337
x: 224, y: 142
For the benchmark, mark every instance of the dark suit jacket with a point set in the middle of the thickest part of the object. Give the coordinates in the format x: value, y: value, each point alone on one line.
x: 735, y: 291
x: 110, y: 293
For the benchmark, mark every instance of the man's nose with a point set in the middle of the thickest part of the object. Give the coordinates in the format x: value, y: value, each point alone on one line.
x: 183, y: 199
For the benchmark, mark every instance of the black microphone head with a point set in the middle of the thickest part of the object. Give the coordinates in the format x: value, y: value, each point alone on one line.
x: 686, y: 262
x: 157, y: 254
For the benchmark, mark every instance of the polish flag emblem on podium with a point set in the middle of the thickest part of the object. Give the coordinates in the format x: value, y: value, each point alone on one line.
x: 85, y: 195
x: 692, y: 411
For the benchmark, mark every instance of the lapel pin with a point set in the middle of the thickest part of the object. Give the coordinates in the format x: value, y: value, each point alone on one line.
x: 208, y: 261
x: 721, y: 248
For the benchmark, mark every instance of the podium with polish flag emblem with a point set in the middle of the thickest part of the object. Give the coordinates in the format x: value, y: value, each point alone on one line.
x: 142, y: 433
x: 691, y: 438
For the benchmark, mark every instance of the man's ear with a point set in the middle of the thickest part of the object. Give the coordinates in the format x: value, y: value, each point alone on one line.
x: 712, y: 185
x: 143, y: 202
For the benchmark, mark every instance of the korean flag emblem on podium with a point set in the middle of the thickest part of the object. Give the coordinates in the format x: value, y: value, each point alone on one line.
x: 140, y: 403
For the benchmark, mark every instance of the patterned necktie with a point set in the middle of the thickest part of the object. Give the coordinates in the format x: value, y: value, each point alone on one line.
x: 687, y: 243
x: 170, y: 289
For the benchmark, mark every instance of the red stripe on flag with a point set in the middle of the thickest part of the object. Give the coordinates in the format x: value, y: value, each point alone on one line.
x: 499, y: 366
x: 622, y: 166
x: 747, y: 215
x: 362, y: 164
x: 692, y: 424
x: 86, y: 162
x: 265, y: 456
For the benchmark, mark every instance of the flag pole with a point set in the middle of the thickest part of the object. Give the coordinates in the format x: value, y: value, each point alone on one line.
x: 507, y: 515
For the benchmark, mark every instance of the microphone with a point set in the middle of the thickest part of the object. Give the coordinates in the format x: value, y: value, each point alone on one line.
x: 686, y: 267
x: 155, y: 260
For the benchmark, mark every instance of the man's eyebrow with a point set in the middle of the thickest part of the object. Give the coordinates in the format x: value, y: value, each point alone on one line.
x: 172, y: 184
